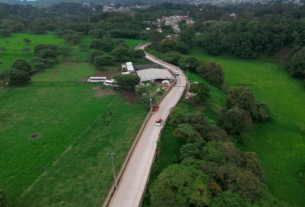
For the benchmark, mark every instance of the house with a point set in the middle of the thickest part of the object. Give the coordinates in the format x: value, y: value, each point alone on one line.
x: 159, y: 30
x: 233, y: 15
x: 184, y: 17
x: 147, y: 28
x: 130, y: 68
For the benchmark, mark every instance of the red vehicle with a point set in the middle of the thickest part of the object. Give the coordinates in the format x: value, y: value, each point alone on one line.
x: 156, y: 107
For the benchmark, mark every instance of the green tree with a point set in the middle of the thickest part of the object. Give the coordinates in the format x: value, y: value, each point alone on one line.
x: 119, y: 41
x: 5, y: 33
x: 183, y: 48
x: 26, y: 49
x: 3, y: 49
x: 248, y: 185
x: 19, y: 76
x: 39, y: 47
x: 139, y: 54
x: 21, y: 64
x: 234, y: 120
x: 120, y: 52
x: 127, y: 82
x: 176, y: 116
x: 191, y: 61
x: 106, y: 45
x: 146, y: 99
x: 202, y: 92
x: 243, y: 98
x: 3, y: 197
x: 154, y: 37
x: 141, y: 89
x: 179, y: 185
x: 64, y: 50
x: 188, y: 132
x: 230, y: 199
x: 47, y: 53
x: 96, y: 44
x: 94, y: 53
x: 172, y: 58
x: 4, y: 75
x: 296, y: 64
x: 212, y: 72
x: 27, y: 41
x: 252, y: 163
x: 101, y: 61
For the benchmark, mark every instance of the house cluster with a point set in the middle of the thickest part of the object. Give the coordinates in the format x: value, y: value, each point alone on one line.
x: 173, y: 21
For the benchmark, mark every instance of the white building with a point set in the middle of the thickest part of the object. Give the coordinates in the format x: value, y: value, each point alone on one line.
x: 130, y: 68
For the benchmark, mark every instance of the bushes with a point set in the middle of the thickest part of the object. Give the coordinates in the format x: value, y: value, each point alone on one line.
x: 212, y: 72
x: 202, y: 92
x: 191, y: 61
x: 172, y: 58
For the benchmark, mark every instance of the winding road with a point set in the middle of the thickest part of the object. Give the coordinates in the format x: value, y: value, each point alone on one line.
x: 136, y: 175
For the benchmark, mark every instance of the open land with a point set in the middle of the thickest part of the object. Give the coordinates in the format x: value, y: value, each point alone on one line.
x: 280, y: 143
x: 56, y: 130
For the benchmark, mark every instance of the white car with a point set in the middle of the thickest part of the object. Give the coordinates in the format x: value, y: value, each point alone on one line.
x: 176, y: 73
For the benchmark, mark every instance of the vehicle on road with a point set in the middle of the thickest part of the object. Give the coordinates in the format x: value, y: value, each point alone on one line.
x: 176, y: 73
x: 156, y: 107
x: 159, y: 121
x: 97, y: 79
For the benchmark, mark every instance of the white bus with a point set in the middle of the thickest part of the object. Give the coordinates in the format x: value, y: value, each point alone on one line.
x: 97, y: 79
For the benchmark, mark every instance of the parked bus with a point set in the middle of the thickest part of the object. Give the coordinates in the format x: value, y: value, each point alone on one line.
x: 97, y: 79
x: 159, y: 121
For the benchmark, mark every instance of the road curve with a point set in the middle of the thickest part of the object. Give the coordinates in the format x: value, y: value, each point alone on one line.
x: 133, y: 182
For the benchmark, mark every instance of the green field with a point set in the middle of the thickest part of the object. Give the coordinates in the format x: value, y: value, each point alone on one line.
x: 280, y: 144
x: 73, y: 133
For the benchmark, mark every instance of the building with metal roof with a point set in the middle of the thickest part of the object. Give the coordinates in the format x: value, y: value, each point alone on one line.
x: 154, y: 74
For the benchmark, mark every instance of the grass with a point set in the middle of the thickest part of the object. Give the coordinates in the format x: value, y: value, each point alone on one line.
x: 72, y: 142
x: 280, y: 144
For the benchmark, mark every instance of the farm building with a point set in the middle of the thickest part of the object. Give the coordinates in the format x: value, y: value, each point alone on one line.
x: 153, y: 74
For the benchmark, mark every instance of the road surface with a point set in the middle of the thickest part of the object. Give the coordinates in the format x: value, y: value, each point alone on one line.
x: 133, y: 182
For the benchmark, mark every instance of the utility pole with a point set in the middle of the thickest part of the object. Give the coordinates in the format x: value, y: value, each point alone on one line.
x: 187, y: 66
x: 150, y: 103
x: 116, y: 185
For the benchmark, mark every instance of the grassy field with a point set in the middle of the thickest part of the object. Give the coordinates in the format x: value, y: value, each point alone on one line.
x: 15, y: 42
x: 280, y: 144
x: 71, y: 134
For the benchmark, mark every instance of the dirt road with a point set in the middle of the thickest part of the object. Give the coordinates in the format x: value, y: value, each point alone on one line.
x: 132, y: 184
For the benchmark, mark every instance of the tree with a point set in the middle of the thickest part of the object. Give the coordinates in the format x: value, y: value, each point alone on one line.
x: 4, y: 75
x: 191, y: 61
x: 248, y: 185
x: 47, y: 53
x: 39, y: 63
x: 3, y: 197
x: 199, y: 121
x: 215, y: 188
x: 106, y: 45
x: 172, y: 58
x: 26, y: 49
x: 217, y: 134
x: 242, y: 98
x: 119, y: 41
x: 139, y: 53
x: 127, y: 82
x: 176, y: 116
x: 3, y: 49
x: 154, y: 37
x: 141, y: 89
x: 39, y: 47
x: 19, y: 76
x: 296, y: 64
x: 183, y: 48
x: 27, y: 41
x: 94, y: 53
x: 120, y: 52
x: 21, y: 64
x: 38, y: 28
x: 96, y: 44
x: 180, y: 185
x: 187, y: 131
x: 202, y: 92
x: 168, y: 45
x: 230, y: 199
x: 101, y: 61
x: 149, y: 99
x: 234, y: 120
x: 212, y: 72
x: 5, y: 32
x: 252, y: 163
x: 72, y: 38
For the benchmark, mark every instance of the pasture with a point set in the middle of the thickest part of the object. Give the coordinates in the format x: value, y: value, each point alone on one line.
x: 280, y: 144
x: 56, y: 130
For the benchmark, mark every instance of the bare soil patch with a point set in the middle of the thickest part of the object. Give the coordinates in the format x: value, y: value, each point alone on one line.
x: 103, y: 73
x: 131, y: 97
x: 55, y: 72
x: 201, y: 107
x: 101, y: 91
x: 34, y: 136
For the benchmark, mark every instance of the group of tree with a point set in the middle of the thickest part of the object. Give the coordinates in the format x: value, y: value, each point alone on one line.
x: 211, y: 171
x: 19, y: 72
x: 46, y: 55
x: 70, y: 36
